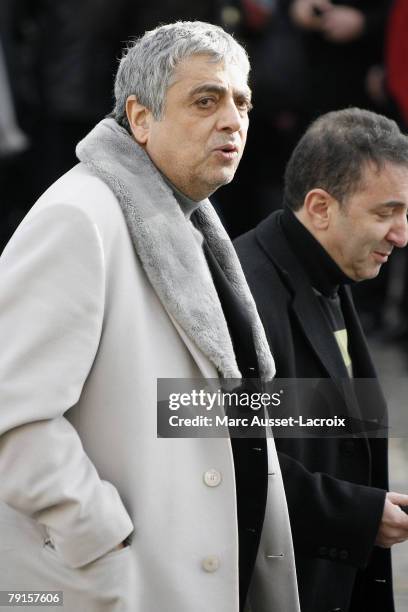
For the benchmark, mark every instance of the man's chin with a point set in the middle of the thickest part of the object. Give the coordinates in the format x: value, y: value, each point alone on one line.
x: 368, y: 274
x: 226, y: 178
x: 221, y: 181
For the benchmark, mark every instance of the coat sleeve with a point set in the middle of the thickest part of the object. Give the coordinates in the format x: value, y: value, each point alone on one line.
x: 331, y: 518
x: 51, y: 311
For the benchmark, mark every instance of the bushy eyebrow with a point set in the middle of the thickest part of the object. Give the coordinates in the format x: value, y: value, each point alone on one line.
x: 243, y: 94
x: 392, y: 204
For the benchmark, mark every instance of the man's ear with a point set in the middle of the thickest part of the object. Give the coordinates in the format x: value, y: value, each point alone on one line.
x: 139, y: 119
x: 318, y: 207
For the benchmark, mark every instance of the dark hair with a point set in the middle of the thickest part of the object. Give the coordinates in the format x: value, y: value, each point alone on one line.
x: 332, y: 153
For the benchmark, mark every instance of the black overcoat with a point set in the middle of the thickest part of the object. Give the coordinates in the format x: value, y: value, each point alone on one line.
x: 335, y: 487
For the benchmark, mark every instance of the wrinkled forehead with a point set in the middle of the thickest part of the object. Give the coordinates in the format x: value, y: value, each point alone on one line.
x: 203, y: 65
x: 199, y: 74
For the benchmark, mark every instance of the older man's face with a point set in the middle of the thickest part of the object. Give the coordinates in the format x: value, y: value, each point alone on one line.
x: 200, y: 140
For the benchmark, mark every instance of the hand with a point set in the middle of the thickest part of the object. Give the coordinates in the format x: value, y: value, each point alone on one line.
x: 302, y: 13
x: 394, y: 523
x: 342, y: 24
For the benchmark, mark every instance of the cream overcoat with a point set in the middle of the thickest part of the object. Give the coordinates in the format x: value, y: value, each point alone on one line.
x: 84, y: 337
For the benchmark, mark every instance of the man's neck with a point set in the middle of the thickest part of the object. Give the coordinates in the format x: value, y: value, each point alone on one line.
x: 187, y: 205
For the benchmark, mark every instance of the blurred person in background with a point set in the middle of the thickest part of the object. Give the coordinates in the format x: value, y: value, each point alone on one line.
x: 396, y: 59
x: 12, y: 139
x: 61, y: 57
x: 342, y: 41
x: 13, y: 142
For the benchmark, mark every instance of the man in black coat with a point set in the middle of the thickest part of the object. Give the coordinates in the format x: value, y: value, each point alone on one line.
x: 345, y: 207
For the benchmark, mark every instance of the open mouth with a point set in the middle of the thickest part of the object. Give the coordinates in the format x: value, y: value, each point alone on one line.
x: 228, y: 151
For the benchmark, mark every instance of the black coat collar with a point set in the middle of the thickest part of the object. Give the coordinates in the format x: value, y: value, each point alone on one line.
x: 323, y: 272
x: 272, y: 240
x: 306, y: 307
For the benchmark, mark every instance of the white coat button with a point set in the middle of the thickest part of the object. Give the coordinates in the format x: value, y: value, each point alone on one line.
x: 211, y: 563
x: 212, y: 478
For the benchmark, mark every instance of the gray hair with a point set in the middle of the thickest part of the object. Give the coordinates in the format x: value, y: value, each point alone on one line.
x: 148, y: 64
x: 335, y: 149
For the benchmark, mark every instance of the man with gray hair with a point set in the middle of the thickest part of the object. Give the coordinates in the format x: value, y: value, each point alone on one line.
x: 106, y: 287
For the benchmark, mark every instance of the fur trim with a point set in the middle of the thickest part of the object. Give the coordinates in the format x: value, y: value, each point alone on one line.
x: 164, y: 241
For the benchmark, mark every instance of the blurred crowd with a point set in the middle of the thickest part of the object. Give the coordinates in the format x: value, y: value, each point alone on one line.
x: 58, y: 58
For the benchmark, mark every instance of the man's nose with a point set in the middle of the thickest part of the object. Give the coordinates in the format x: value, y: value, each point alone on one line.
x: 398, y: 234
x: 231, y: 119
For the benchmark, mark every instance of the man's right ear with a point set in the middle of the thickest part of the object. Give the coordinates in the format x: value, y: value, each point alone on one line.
x: 139, y: 119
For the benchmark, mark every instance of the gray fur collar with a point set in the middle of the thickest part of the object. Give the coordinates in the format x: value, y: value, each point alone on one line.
x: 164, y: 240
